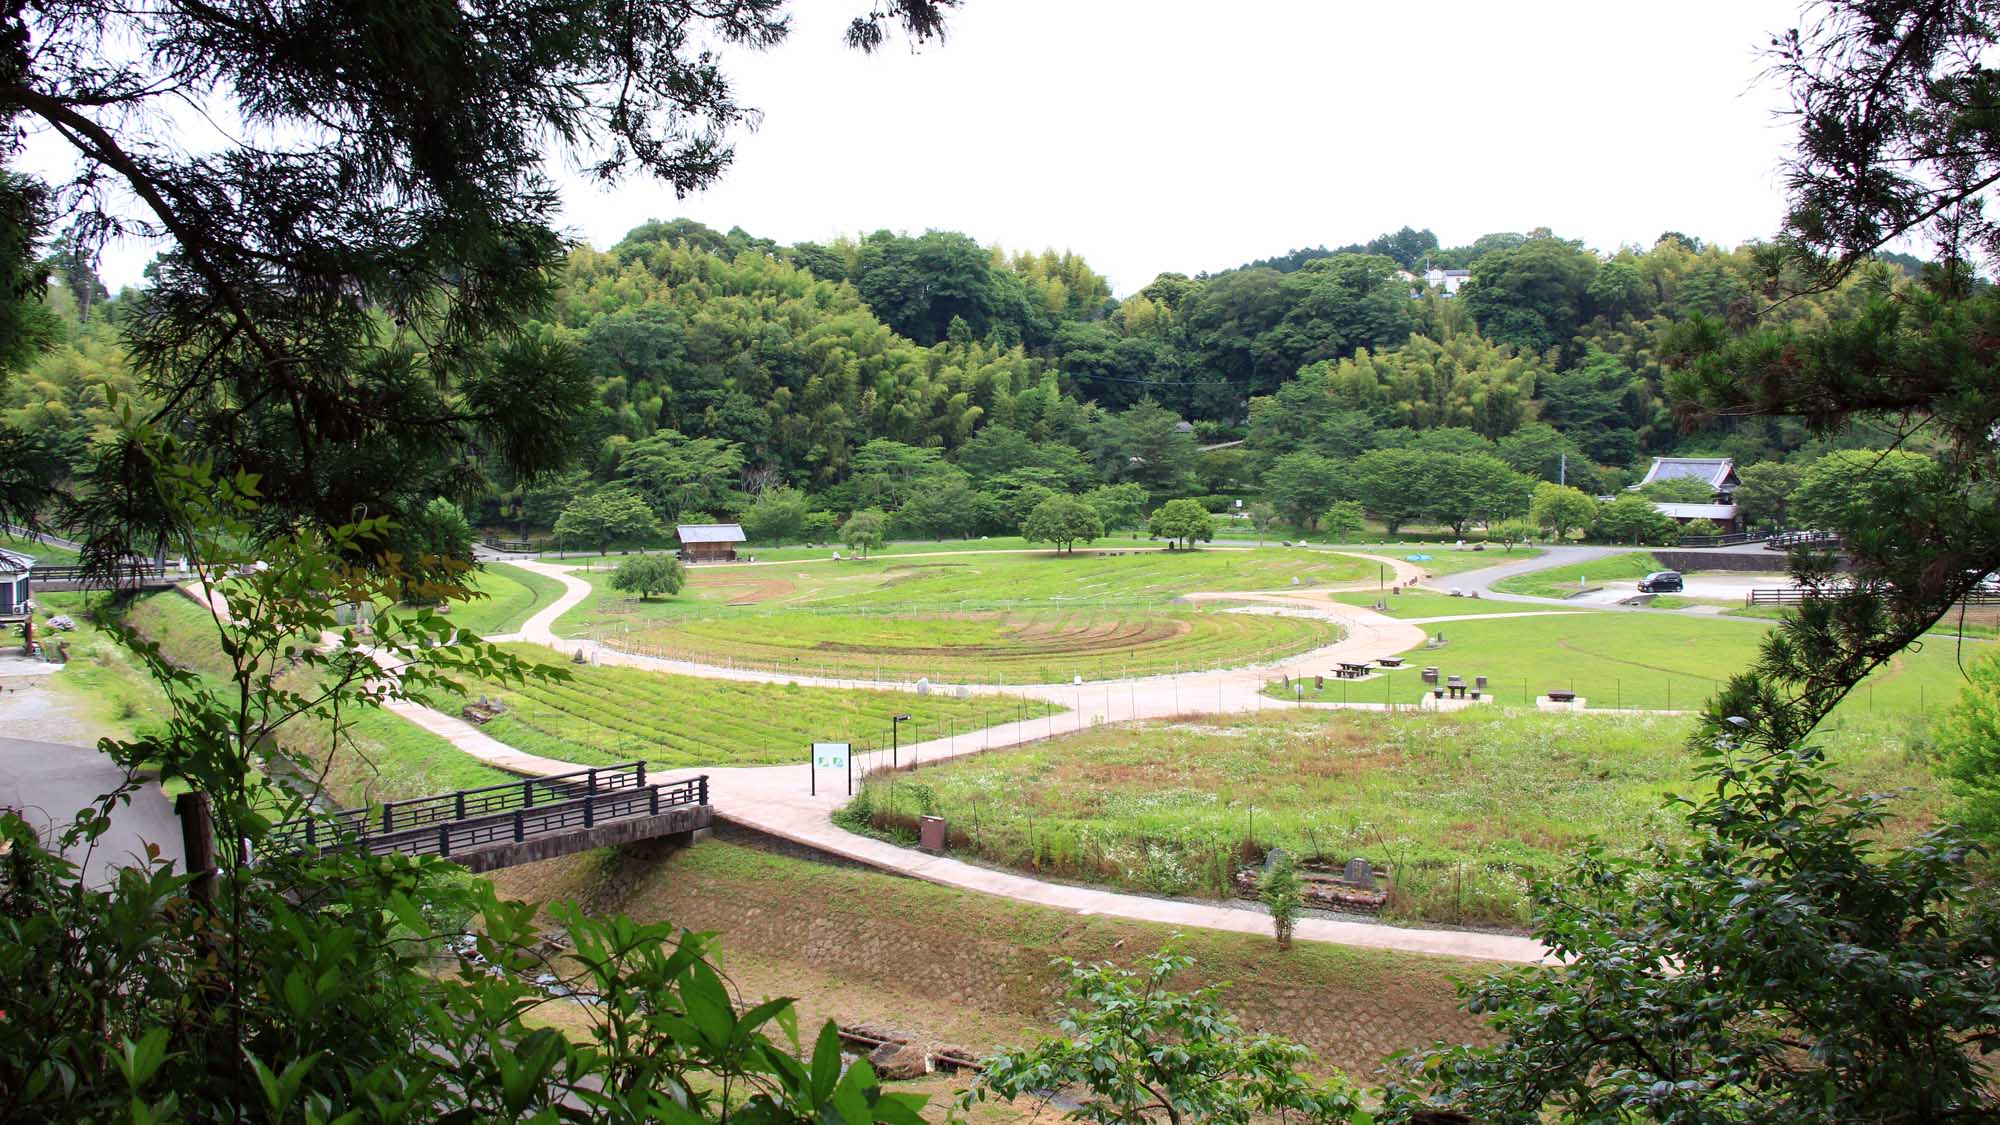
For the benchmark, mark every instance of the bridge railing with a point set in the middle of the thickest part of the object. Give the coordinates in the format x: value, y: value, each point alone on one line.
x: 522, y: 824
x: 395, y: 816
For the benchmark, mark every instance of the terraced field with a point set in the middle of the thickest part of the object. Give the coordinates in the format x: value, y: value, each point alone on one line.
x: 606, y: 715
x: 982, y: 618
x: 1025, y: 646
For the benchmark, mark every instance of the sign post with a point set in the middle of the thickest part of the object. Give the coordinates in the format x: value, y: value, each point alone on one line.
x: 832, y: 756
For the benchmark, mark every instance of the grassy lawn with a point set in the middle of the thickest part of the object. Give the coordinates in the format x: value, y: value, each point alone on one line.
x: 1037, y: 617
x: 382, y: 758
x: 101, y: 678
x: 1634, y: 660
x: 609, y: 714
x: 1416, y: 604
x: 512, y: 596
x: 45, y: 553
x: 1562, y: 581
x: 387, y: 758
x: 1466, y: 809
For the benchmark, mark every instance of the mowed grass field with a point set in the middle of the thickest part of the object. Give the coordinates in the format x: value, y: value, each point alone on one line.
x: 1467, y: 810
x: 45, y: 553
x: 1006, y: 618
x: 604, y: 715
x: 511, y: 596
x: 1634, y: 660
x: 1562, y: 581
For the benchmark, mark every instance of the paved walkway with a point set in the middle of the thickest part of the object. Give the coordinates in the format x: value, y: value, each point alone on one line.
x: 49, y: 781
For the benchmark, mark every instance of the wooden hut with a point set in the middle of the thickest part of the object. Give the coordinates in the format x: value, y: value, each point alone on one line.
x: 709, y: 542
x: 14, y: 591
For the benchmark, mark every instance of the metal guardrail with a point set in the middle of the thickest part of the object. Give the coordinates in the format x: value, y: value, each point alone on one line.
x: 511, y: 812
x: 517, y: 546
x: 1734, y: 539
x: 1799, y: 595
x: 1793, y: 539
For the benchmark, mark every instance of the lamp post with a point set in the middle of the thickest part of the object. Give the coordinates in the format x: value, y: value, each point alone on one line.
x: 896, y: 738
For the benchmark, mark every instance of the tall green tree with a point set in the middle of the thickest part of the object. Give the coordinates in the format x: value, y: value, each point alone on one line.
x: 1392, y: 484
x: 1301, y: 485
x: 1182, y: 521
x: 646, y: 575
x: 1764, y: 491
x: 1145, y: 445
x: 345, y: 303
x: 1847, y: 490
x: 605, y: 516
x: 865, y: 530
x: 1121, y: 506
x: 1561, y: 509
x: 1535, y: 295
x: 1062, y: 520
x: 1463, y: 488
x: 777, y: 514
x: 677, y: 473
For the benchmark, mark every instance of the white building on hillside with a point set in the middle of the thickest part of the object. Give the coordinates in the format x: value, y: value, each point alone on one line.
x: 1447, y: 280
x: 1718, y: 473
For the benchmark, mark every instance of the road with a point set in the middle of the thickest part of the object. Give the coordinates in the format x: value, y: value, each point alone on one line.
x: 49, y: 781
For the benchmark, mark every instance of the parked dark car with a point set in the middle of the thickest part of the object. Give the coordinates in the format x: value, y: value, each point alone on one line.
x: 1661, y: 582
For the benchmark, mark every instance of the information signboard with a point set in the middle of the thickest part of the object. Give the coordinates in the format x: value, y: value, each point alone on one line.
x: 829, y: 756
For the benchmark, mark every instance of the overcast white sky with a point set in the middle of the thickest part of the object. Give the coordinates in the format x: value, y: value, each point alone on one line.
x: 1153, y: 135
x: 1169, y: 135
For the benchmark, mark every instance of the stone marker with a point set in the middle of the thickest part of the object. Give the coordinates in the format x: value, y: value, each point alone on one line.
x: 924, y: 686
x: 1360, y: 874
x: 1273, y: 857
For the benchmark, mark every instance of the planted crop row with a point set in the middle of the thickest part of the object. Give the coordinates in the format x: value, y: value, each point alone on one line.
x: 984, y: 647
x: 606, y: 714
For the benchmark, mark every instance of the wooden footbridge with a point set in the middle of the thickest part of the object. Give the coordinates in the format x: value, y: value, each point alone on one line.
x: 533, y: 819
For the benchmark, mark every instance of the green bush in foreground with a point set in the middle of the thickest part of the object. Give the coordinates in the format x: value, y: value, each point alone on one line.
x: 1147, y: 1053
x: 1782, y: 967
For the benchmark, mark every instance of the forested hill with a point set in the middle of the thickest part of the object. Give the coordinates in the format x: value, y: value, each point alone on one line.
x: 867, y: 372
x: 932, y: 337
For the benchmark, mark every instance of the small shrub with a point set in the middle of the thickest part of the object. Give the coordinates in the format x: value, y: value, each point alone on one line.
x: 1165, y: 872
x: 1281, y: 890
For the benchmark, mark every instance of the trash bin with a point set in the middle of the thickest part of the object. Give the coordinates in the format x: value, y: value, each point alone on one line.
x: 930, y: 833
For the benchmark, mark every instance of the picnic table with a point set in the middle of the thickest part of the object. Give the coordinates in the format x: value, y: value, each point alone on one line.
x: 1558, y: 696
x: 1390, y: 661
x: 1351, y: 671
x: 1456, y: 685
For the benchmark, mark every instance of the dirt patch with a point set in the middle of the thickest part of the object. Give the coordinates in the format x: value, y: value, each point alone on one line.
x: 752, y: 592
x: 976, y: 970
